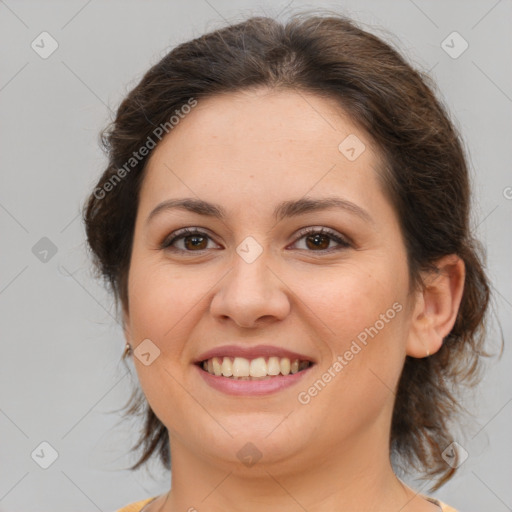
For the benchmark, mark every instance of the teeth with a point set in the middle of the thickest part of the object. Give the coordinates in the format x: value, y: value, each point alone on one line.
x: 258, y: 367
x: 274, y: 368
x: 285, y: 365
x: 217, y: 366
x: 303, y: 365
x: 227, y: 367
x: 240, y: 368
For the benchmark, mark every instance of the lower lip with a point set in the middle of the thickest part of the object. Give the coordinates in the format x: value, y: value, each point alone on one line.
x: 251, y: 387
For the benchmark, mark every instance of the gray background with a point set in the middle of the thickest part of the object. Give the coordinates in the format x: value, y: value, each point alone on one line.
x: 61, y: 375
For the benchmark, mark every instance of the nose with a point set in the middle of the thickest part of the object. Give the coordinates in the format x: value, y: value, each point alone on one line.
x: 251, y: 294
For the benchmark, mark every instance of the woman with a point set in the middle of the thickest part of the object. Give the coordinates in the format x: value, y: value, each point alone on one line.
x: 285, y: 222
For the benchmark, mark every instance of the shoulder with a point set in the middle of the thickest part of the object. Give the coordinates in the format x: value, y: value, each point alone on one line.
x: 136, y: 506
x: 444, y: 507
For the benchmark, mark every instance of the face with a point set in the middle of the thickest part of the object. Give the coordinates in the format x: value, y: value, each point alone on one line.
x: 326, y: 284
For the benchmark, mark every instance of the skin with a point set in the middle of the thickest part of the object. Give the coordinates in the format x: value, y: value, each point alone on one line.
x: 248, y: 151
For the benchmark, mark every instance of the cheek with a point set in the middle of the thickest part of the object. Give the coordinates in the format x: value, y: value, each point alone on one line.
x: 162, y: 298
x: 355, y: 299
x: 361, y: 313
x: 161, y: 309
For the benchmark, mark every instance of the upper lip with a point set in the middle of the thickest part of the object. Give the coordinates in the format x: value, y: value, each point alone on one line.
x: 251, y: 352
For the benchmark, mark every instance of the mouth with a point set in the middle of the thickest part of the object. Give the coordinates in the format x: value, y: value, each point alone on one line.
x: 242, y: 370
x: 260, y: 368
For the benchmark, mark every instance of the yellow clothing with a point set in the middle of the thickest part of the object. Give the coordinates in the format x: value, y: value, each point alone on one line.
x: 138, y: 505
x: 444, y: 507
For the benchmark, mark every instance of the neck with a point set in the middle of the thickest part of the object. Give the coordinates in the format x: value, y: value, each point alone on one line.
x: 352, y: 476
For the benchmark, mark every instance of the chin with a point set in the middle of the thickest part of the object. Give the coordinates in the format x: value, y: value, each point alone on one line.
x: 258, y: 438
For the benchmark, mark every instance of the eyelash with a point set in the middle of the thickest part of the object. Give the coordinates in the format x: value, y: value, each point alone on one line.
x: 186, y: 232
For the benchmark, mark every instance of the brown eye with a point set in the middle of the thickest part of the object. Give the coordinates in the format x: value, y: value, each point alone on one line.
x: 193, y: 241
x: 318, y: 240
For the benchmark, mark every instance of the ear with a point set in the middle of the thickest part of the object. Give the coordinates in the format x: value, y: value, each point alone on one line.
x: 436, y: 307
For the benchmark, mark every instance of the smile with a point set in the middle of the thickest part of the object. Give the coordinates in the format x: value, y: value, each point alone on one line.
x: 252, y: 370
x: 260, y: 368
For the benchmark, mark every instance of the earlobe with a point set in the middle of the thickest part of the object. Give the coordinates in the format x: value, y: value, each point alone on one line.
x: 436, y: 307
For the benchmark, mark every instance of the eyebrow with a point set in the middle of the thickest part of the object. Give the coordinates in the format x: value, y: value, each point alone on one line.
x: 282, y: 210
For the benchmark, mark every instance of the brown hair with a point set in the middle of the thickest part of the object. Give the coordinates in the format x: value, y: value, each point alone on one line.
x: 425, y: 176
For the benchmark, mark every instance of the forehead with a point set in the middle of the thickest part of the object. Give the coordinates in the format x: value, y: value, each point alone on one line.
x: 272, y: 117
x: 269, y: 142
